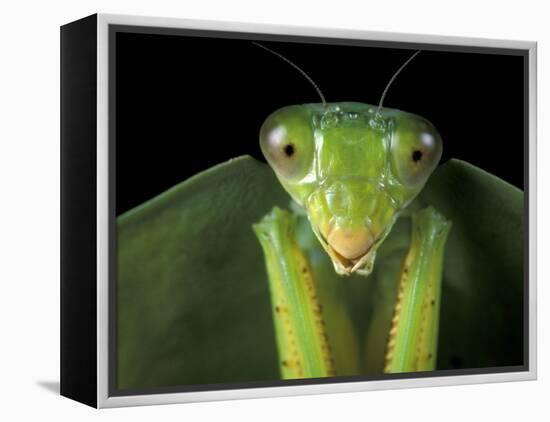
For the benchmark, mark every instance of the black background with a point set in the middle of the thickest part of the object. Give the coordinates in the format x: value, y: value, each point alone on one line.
x: 186, y: 103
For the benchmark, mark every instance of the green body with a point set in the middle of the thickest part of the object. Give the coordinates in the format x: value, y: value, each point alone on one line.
x: 353, y: 169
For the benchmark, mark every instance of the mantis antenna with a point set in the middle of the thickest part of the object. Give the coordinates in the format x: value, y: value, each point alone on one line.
x: 393, y: 78
x: 295, y: 66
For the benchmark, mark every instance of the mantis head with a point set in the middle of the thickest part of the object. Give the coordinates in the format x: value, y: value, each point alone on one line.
x: 353, y: 169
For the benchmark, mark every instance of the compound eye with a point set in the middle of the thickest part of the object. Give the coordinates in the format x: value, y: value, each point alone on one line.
x: 416, y: 149
x: 287, y: 144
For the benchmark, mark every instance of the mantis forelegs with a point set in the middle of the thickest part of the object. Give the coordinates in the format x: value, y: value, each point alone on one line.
x: 302, y: 341
x: 412, y: 344
x: 301, y: 334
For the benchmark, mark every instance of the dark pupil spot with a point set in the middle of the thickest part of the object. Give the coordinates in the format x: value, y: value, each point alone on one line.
x: 289, y: 150
x: 416, y: 156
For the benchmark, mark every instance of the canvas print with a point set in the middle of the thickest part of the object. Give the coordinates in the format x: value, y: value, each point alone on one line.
x: 293, y: 210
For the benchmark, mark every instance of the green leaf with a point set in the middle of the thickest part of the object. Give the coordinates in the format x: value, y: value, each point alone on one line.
x: 482, y: 297
x: 193, y: 298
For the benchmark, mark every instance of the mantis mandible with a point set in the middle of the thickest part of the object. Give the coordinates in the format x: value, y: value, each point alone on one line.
x: 353, y: 169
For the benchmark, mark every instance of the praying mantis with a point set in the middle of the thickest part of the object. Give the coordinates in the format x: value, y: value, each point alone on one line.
x: 352, y: 169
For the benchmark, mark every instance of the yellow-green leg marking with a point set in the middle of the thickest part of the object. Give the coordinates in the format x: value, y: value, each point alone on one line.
x: 302, y: 341
x: 412, y: 344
